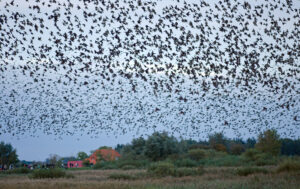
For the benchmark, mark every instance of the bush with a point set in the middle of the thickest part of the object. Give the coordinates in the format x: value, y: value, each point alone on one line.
x: 251, y: 154
x: 265, y: 159
x: 49, y: 173
x: 220, y: 147
x: 250, y: 170
x: 289, y: 166
x: 197, y: 154
x: 181, y: 172
x: 259, y: 158
x: 136, y: 163
x: 120, y: 176
x: 128, y: 167
x: 214, y: 154
x: 105, y: 165
x: 161, y: 169
x: 237, y: 149
x: 185, y: 163
x: 227, y: 160
x: 86, y: 163
x: 21, y: 170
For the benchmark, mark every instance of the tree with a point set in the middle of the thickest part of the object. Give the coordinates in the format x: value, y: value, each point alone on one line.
x: 269, y: 142
x: 250, y: 143
x: 104, y: 147
x: 8, y: 155
x: 290, y: 147
x: 82, y: 155
x: 218, y: 141
x: 160, y: 145
x: 53, y: 160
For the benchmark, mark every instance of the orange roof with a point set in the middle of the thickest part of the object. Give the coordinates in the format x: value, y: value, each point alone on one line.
x: 106, y: 154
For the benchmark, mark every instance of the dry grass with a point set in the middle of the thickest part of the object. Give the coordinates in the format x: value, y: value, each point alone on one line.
x: 213, y: 178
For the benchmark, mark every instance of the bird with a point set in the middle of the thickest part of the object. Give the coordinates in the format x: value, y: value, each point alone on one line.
x: 121, y: 66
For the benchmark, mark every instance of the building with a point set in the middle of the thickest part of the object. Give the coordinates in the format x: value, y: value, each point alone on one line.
x: 103, y: 155
x: 75, y: 164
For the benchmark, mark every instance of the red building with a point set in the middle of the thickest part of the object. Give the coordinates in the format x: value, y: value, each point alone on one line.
x: 104, y: 154
x: 74, y: 164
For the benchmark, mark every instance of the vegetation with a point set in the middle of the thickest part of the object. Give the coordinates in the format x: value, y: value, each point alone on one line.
x: 269, y: 142
x: 251, y: 170
x: 8, y: 155
x: 212, y: 178
x: 121, y: 176
x: 82, y: 155
x: 49, y: 173
x: 289, y: 165
x: 20, y: 170
x: 162, y: 161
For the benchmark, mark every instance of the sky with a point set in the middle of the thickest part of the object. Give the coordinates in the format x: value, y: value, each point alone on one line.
x: 127, y: 73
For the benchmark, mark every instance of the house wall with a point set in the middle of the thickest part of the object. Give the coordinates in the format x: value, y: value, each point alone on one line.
x: 73, y: 164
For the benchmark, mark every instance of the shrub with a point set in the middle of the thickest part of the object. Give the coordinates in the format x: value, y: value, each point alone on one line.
x: 21, y: 170
x: 105, y: 165
x: 128, y: 167
x: 161, y: 169
x: 199, y: 146
x: 120, y: 176
x: 251, y: 154
x: 265, y: 159
x: 227, y: 160
x: 237, y: 149
x: 181, y: 172
x: 49, y: 173
x: 86, y: 163
x: 185, y: 163
x: 250, y: 170
x: 220, y: 147
x: 197, y: 154
x: 135, y: 163
x: 289, y: 166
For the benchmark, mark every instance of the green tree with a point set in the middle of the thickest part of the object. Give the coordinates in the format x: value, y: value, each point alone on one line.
x: 104, y: 147
x: 8, y: 155
x: 218, y: 141
x: 82, y: 155
x: 160, y: 145
x: 269, y: 142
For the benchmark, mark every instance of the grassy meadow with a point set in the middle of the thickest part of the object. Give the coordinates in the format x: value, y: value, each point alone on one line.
x: 212, y: 177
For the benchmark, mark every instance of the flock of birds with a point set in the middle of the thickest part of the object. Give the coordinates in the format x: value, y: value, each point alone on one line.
x: 117, y: 66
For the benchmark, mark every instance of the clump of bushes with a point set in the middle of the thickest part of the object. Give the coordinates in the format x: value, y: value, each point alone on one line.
x: 120, y: 176
x: 161, y: 169
x: 181, y: 172
x: 128, y: 167
x: 168, y: 169
x: 133, y: 163
x: 250, y: 170
x: 185, y: 163
x: 227, y: 160
x: 21, y: 170
x: 50, y: 173
x: 105, y: 165
x: 258, y: 158
x: 197, y: 154
x: 289, y: 166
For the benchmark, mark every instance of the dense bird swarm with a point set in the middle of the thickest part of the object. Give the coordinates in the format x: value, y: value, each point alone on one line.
x: 118, y: 66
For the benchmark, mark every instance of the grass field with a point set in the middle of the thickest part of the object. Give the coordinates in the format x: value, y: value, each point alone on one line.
x: 214, y: 178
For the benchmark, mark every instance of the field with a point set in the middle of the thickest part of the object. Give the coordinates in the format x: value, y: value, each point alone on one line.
x: 213, y: 177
